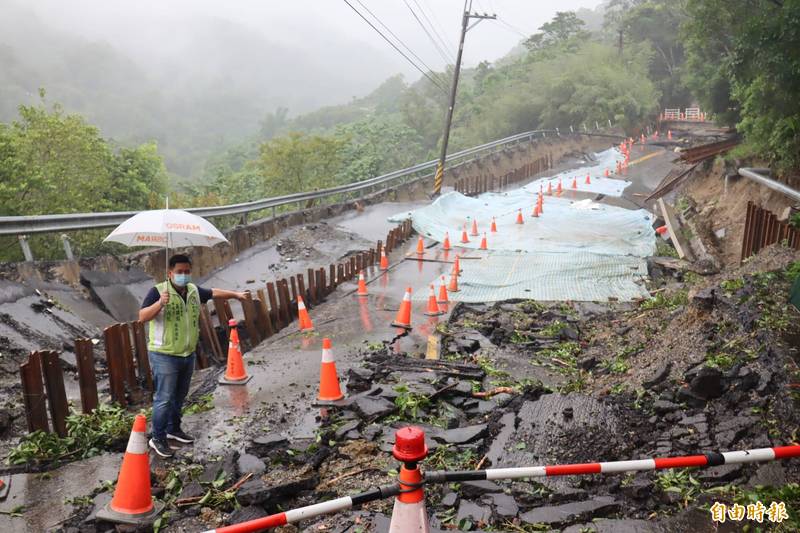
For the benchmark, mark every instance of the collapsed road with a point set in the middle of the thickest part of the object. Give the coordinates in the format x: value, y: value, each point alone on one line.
x: 707, y: 363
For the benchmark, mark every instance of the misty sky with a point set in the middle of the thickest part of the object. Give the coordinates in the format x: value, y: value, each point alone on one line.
x: 151, y: 29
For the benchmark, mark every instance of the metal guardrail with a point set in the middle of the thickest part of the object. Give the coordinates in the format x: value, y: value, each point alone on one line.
x: 24, y: 225
x: 760, y: 175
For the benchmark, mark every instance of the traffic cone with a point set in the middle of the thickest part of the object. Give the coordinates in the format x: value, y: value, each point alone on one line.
x: 453, y: 287
x: 446, y: 244
x: 541, y: 204
x: 384, y: 259
x: 433, y: 307
x: 457, y: 266
x: 474, y: 231
x: 483, y: 245
x: 133, y: 502
x: 519, y: 217
x: 464, y: 238
x: 536, y: 210
x: 549, y: 189
x: 443, y: 299
x: 420, y: 246
x: 588, y: 179
x: 574, y: 183
x: 302, y: 315
x: 669, y: 134
x: 409, y: 514
x: 493, y: 227
x: 559, y: 189
x: 403, y: 319
x: 329, y: 390
x: 607, y: 173
x: 235, y: 373
x: 362, y: 285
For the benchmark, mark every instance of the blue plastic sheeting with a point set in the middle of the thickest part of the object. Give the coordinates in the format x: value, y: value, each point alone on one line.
x: 549, y: 277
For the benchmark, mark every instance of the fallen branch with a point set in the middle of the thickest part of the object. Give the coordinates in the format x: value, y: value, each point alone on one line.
x: 233, y: 488
x: 490, y: 393
x: 443, y: 389
x: 480, y: 463
x: 350, y: 474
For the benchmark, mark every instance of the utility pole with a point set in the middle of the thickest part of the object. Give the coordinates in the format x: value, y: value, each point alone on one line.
x: 437, y: 183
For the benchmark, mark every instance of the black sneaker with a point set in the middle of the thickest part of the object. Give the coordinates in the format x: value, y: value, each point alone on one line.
x: 180, y: 436
x: 161, y: 448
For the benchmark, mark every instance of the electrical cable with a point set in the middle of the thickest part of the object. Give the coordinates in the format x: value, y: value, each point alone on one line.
x: 441, y: 79
x: 436, y: 45
x: 437, y: 26
x: 432, y: 80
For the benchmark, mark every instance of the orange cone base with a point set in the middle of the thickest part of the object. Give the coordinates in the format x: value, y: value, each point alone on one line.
x: 141, y: 519
x: 399, y: 325
x: 329, y: 384
x: 225, y: 381
x: 438, y: 313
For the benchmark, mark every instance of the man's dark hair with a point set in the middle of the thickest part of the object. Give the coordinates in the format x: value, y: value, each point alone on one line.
x: 178, y: 258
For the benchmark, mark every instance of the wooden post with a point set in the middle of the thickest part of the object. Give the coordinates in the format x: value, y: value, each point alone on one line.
x: 127, y: 357
x: 222, y: 313
x: 273, y: 306
x: 283, y: 295
x: 87, y: 379
x: 294, y: 287
x: 116, y: 378
x: 264, y: 320
x: 332, y: 284
x: 312, y: 286
x: 301, y: 288
x: 142, y: 357
x: 211, y: 334
x: 250, y: 319
x: 56, y: 395
x: 33, y: 393
x: 322, y: 288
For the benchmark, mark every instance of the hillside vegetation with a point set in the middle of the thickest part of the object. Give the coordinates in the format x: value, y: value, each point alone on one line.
x: 737, y: 58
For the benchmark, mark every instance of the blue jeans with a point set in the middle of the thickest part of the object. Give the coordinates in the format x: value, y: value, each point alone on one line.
x: 171, y: 378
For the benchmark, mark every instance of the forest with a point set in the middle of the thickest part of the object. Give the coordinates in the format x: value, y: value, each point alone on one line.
x: 737, y: 59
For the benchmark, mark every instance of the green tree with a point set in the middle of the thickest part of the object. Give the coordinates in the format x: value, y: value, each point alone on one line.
x: 299, y: 162
x: 564, y: 31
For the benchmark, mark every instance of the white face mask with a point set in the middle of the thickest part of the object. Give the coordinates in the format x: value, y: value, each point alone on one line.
x: 181, y: 280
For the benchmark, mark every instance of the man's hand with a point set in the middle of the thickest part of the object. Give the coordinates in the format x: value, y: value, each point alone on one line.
x: 164, y: 300
x: 242, y: 295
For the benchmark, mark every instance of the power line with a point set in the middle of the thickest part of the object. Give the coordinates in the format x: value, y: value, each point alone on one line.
x: 513, y: 28
x: 436, y: 45
x: 432, y: 80
x: 443, y: 41
x: 438, y: 25
x: 442, y: 80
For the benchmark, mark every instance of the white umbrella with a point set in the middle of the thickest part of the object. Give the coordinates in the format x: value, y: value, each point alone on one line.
x: 170, y: 228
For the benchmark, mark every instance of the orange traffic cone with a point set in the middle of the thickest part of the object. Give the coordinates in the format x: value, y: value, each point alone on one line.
x: 574, y: 183
x: 457, y: 266
x: 453, y: 287
x: 443, y: 299
x: 536, y: 210
x: 464, y: 238
x: 559, y: 189
x: 420, y: 246
x: 235, y: 373
x: 446, y: 244
x: 607, y: 173
x: 384, y: 259
x: 493, y: 228
x: 362, y: 285
x: 519, y: 217
x: 483, y: 245
x: 302, y: 315
x: 403, y: 319
x: 329, y: 390
x: 433, y: 307
x: 132, y: 502
x: 588, y: 179
x: 541, y: 204
x: 669, y: 134
x: 549, y: 189
x: 409, y: 513
x: 474, y: 231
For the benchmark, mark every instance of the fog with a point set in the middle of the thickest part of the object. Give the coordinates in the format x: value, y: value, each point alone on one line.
x: 194, y: 74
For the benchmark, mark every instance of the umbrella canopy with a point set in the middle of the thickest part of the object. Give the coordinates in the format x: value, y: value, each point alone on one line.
x: 173, y: 228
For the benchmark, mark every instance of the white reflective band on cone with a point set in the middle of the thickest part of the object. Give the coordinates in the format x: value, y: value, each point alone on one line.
x: 137, y: 443
x: 749, y: 456
x: 339, y: 504
x: 626, y: 466
x: 327, y: 356
x: 511, y: 473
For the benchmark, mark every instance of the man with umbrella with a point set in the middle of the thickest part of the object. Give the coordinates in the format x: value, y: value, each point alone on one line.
x: 172, y: 308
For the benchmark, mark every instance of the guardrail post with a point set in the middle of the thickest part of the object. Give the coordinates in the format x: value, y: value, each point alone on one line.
x: 558, y: 132
x: 67, y: 247
x: 609, y: 123
x: 26, y: 248
x: 571, y: 130
x: 584, y: 128
x: 596, y: 125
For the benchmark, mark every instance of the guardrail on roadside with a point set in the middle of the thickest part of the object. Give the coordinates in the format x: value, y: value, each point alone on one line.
x: 39, y: 224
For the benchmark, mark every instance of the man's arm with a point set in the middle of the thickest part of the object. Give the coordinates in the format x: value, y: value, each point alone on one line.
x: 148, y: 313
x: 225, y: 294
